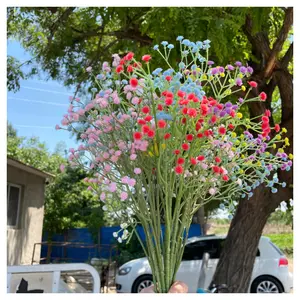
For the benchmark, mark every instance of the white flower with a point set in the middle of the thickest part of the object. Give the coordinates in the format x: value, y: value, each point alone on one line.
x: 115, y: 234
x: 291, y: 202
x: 283, y: 206
x: 124, y: 225
x: 212, y: 191
x: 119, y: 240
x: 239, y: 182
x: 104, y: 207
x: 126, y: 232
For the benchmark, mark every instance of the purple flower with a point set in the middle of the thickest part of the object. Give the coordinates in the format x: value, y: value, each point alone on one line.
x: 289, y: 163
x: 235, y: 107
x: 270, y: 167
x: 221, y: 70
x: 222, y: 113
x: 214, y: 71
x: 268, y: 138
x: 228, y: 104
x: 238, y: 63
x: 239, y: 81
x: 210, y: 62
x: 241, y: 100
x: 249, y: 70
x: 283, y: 167
x: 230, y: 67
x: 216, y: 110
x: 228, y: 110
x: 243, y: 69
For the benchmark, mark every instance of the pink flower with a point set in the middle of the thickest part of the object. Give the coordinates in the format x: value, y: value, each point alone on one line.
x: 117, y: 100
x: 118, y: 153
x: 107, y: 168
x: 212, y: 191
x: 113, y: 187
x: 137, y: 171
x: 131, y: 182
x: 89, y: 69
x: 135, y: 100
x: 204, y: 166
x: 105, y: 155
x: 62, y: 168
x: 123, y: 196
x: 102, y: 196
x: 81, y: 112
x: 64, y: 122
x: 57, y: 127
x: 125, y: 179
x: 133, y: 156
x: 114, y: 158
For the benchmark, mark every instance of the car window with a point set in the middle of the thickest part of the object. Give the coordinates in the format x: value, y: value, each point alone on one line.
x: 277, y: 249
x: 195, y: 251
x: 221, y: 246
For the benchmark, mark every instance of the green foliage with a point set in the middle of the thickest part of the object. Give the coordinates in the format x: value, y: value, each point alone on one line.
x: 283, y: 241
x: 64, y: 41
x: 70, y: 205
x: 279, y: 217
x: 129, y: 251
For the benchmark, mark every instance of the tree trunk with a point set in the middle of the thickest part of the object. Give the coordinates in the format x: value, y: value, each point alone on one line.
x: 238, y: 255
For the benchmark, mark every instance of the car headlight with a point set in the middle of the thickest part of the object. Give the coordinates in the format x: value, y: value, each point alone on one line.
x: 124, y: 271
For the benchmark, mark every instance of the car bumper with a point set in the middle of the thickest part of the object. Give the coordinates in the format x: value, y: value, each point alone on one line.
x: 289, y: 283
x: 123, y: 284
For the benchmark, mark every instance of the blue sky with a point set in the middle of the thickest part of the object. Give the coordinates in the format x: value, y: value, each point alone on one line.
x: 38, y: 106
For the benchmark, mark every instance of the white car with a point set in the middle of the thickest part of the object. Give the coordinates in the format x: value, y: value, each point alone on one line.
x: 270, y: 273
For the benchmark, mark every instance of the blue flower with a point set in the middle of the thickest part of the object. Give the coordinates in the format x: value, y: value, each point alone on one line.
x: 101, y: 93
x: 221, y: 206
x: 179, y: 38
x: 283, y: 184
x: 178, y: 75
x: 164, y: 43
x: 288, y: 168
x: 124, y: 81
x: 243, y: 195
x: 186, y: 42
x: 195, y: 49
x: 199, y: 44
x: 170, y: 46
x: 181, y: 65
x: 94, y: 90
x: 230, y: 217
x: 163, y: 116
x: 250, y: 195
x: 274, y: 190
x: 157, y: 71
x: 248, y: 188
x: 206, y: 42
x: 185, y: 52
x: 275, y: 180
x: 100, y: 76
x: 155, y: 47
x: 117, y: 82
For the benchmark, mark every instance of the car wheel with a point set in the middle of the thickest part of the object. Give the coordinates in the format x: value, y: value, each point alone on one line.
x: 141, y: 283
x: 266, y: 284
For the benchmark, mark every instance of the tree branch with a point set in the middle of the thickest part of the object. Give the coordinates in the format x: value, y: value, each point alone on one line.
x: 284, y: 31
x: 287, y: 57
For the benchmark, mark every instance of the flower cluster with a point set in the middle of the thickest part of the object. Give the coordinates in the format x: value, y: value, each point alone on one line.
x: 154, y: 136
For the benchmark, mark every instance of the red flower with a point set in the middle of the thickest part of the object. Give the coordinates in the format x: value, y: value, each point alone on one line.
x: 129, y: 56
x: 122, y: 61
x: 218, y: 159
x: 253, y: 84
x: 185, y: 146
x: 146, y: 58
x: 130, y: 69
x: 264, y: 134
x: 213, y: 102
x: 179, y: 169
x: 216, y: 169
x: 151, y: 133
x: 189, y: 137
x: 231, y: 126
x: 119, y: 69
x: 192, y: 112
x: 232, y: 113
x: 263, y: 96
x: 176, y: 152
x: 160, y: 107
x: 264, y: 126
x: 206, y: 133
x: 225, y: 177
x: 141, y: 122
x: 219, y: 106
x: 168, y: 101
x: 180, y: 161
x: 148, y: 118
x: 180, y: 94
x: 137, y: 135
x: 265, y: 119
x: 169, y: 94
x: 167, y: 136
x: 214, y: 119
x: 277, y: 127
x: 196, y: 100
x: 267, y: 113
x: 198, y: 126
x: 162, y: 123
x: 222, y: 130
x: 145, y: 128
x: 164, y: 93
x: 190, y: 96
x: 193, y: 161
x: 134, y: 82
x: 183, y: 120
x: 200, y: 135
x: 221, y: 170
x: 168, y: 78
x: 146, y: 109
x: 200, y: 158
x: 184, y: 110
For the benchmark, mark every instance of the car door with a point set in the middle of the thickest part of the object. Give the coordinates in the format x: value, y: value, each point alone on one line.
x: 189, y: 269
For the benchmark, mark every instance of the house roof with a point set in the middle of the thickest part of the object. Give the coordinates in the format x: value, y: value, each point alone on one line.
x: 15, y: 163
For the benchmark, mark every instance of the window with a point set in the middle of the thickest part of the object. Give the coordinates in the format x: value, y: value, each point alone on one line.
x: 195, y: 251
x: 222, y: 241
x: 13, y: 204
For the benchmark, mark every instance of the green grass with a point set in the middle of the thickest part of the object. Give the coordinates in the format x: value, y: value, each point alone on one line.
x: 284, y: 241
